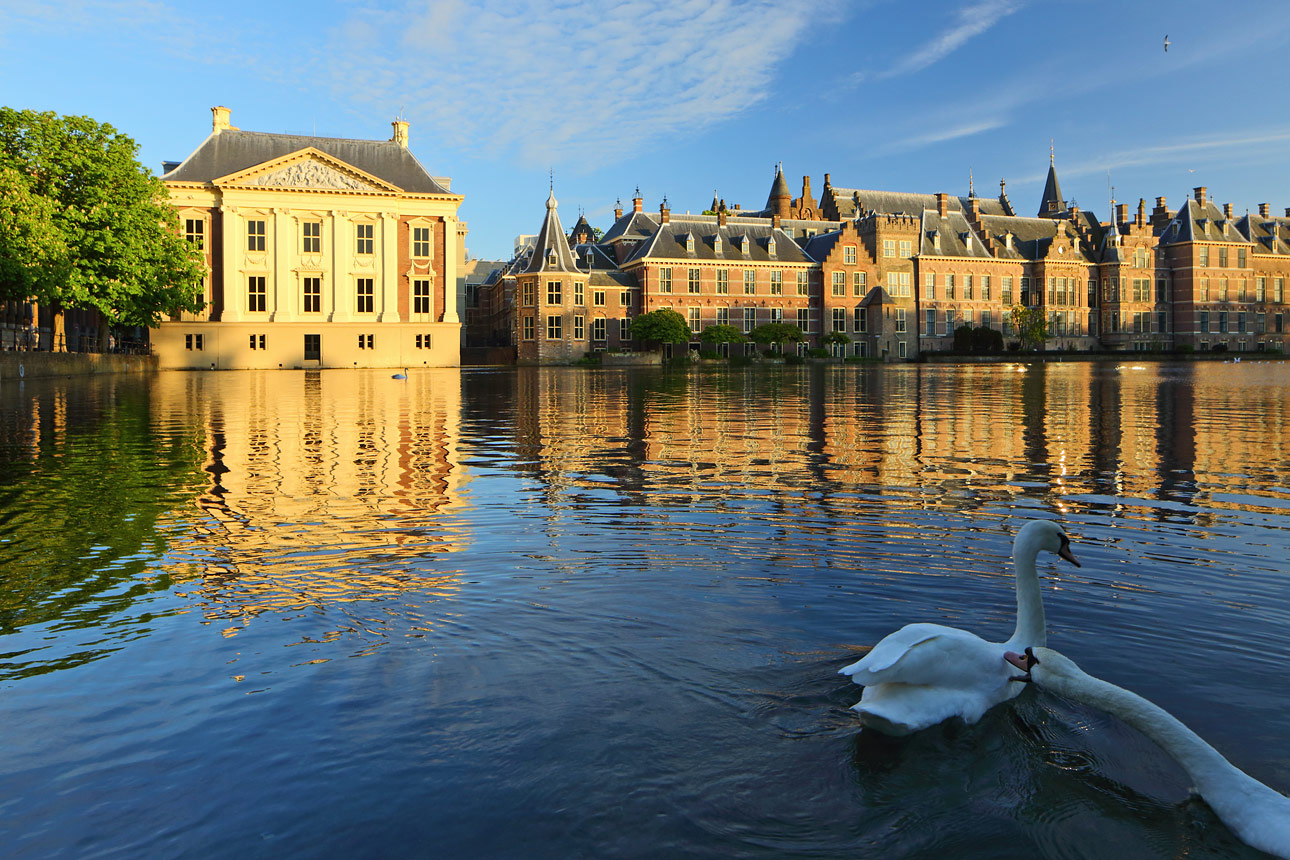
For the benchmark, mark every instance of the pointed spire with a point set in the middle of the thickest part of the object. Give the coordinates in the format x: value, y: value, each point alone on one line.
x: 1052, y: 203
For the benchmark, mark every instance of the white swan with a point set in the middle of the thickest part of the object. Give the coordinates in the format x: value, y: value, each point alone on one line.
x: 1257, y: 814
x: 925, y: 673
x: 403, y: 375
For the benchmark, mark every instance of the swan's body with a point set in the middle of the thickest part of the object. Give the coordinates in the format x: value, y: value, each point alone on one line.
x: 926, y: 673
x: 403, y: 375
x: 1255, y: 812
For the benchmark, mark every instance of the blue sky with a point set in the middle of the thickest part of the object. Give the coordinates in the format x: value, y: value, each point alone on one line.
x: 688, y: 97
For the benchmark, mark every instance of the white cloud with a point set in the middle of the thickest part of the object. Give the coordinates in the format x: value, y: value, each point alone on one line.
x: 569, y: 81
x: 941, y: 135
x: 972, y: 21
x: 1227, y: 150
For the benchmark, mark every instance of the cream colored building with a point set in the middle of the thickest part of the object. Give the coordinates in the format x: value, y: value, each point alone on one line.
x: 321, y: 252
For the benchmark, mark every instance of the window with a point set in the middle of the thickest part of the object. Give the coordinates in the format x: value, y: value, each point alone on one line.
x: 625, y: 328
x: 929, y: 286
x: 423, y: 341
x: 311, y: 237
x: 849, y: 255
x: 859, y: 283
x: 750, y: 282
x: 1277, y: 323
x: 579, y: 299
x: 554, y: 293
x: 1204, y: 256
x: 898, y: 283
x: 312, y: 295
x: 1240, y: 323
x: 257, y: 341
x: 985, y: 288
x: 598, y: 328
x: 1162, y: 322
x: 364, y: 234
x: 313, y: 347
x: 930, y: 323
x: 862, y: 320
x: 804, y: 319
x: 554, y: 327
x: 1092, y: 292
x: 366, y: 341
x: 421, y: 242
x: 1222, y: 322
x: 1204, y: 289
x: 839, y: 319
x: 949, y: 323
x: 692, y: 282
x: 803, y: 283
x: 900, y: 347
x: 750, y: 319
x: 255, y: 294
x: 986, y: 320
x: 905, y: 248
x: 665, y: 279
x: 1162, y: 291
x: 967, y: 287
x: 723, y: 316
x: 598, y: 298
x: 528, y: 328
x: 625, y: 298
x: 1260, y: 323
x: 776, y: 282
x: 900, y: 320
x: 1005, y: 291
x: 839, y: 283
x: 1260, y: 289
x: 776, y: 314
x: 889, y: 247
x: 579, y: 330
x: 1025, y: 291
x: 255, y: 234
x: 195, y: 233
x: 696, y: 320
x: 723, y: 282
x: 1222, y: 258
x: 193, y: 342
x: 366, y: 294
x: 1222, y: 289
x: 1240, y: 258
x: 528, y: 294
x: 949, y: 286
x: 421, y: 296
x: 1277, y: 287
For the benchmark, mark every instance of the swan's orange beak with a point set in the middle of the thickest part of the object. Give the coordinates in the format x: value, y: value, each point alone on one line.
x: 1022, y: 662
x: 1065, y: 552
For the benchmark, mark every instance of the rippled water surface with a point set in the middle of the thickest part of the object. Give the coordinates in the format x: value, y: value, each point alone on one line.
x: 569, y: 613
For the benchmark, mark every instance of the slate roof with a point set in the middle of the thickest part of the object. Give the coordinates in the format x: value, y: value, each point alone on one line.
x: 954, y: 231
x: 852, y: 202
x: 231, y: 151
x: 551, y: 251
x: 1201, y: 222
x: 632, y: 226
x: 1271, y: 234
x: 778, y: 188
x: 1052, y: 195
x: 669, y: 242
x: 1031, y: 237
x: 819, y: 247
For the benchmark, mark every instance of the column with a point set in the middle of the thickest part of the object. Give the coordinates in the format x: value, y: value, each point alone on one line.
x: 450, y: 269
x: 234, y: 285
x: 286, y: 247
x: 390, y: 274
x: 341, y: 293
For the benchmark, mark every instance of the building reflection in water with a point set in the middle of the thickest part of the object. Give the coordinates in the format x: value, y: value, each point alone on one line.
x: 333, y: 489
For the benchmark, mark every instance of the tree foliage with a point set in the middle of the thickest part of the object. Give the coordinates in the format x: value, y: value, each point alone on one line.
x: 1031, y: 325
x: 979, y: 339
x: 661, y: 326
x: 776, y: 332
x: 33, y: 255
x: 125, y: 256
x: 837, y: 337
x: 722, y: 334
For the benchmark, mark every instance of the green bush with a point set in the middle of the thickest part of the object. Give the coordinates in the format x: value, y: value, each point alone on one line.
x: 818, y: 352
x: 709, y: 353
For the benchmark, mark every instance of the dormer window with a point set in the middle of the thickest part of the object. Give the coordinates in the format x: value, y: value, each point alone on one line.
x: 936, y: 239
x: 744, y: 244
x: 1007, y: 241
x: 967, y: 242
x: 550, y: 257
x: 716, y: 243
x: 689, y: 243
x: 770, y: 246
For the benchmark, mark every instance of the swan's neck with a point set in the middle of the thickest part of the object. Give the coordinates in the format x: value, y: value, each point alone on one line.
x: 1031, y: 629
x: 1258, y: 814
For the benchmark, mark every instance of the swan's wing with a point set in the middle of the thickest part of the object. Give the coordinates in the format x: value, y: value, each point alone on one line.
x: 898, y: 709
x: 928, y: 655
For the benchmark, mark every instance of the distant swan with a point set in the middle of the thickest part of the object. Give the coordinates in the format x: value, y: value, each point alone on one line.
x: 926, y: 673
x: 403, y: 375
x: 1257, y: 814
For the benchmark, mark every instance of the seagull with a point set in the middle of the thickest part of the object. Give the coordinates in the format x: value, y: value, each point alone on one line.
x: 1166, y: 43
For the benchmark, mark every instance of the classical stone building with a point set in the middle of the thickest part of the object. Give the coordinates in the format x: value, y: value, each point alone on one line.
x: 321, y: 252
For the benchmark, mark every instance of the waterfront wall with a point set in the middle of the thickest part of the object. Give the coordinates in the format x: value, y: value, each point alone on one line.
x: 33, y: 365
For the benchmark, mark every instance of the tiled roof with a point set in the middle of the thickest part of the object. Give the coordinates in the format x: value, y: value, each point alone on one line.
x: 954, y: 233
x: 1271, y: 234
x: 1052, y: 195
x: 551, y: 251
x: 231, y: 151
x: 669, y: 242
x: 632, y: 226
x: 852, y: 202
x: 1201, y: 222
x: 818, y: 247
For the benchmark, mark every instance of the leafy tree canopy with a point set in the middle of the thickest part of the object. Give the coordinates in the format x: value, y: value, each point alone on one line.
x: 722, y: 334
x: 661, y: 326
x: 1031, y: 325
x: 776, y: 332
x: 837, y: 337
x: 125, y: 256
x: 33, y: 255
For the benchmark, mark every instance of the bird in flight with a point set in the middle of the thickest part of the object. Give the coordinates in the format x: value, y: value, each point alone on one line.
x: 1166, y: 43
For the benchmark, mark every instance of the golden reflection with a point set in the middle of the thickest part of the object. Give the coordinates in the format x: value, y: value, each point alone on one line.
x: 325, y: 489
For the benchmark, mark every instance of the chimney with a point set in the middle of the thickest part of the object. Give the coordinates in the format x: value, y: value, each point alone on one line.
x: 219, y: 120
x: 664, y: 213
x: 974, y: 210
x: 826, y: 181
x: 1160, y: 216
x: 942, y: 204
x: 637, y: 202
x: 1264, y: 210
x: 1122, y: 213
x: 400, y: 132
x: 618, y: 209
x: 1142, y: 212
x: 1227, y: 211
x: 1200, y: 194
x: 775, y: 221
x: 721, y: 217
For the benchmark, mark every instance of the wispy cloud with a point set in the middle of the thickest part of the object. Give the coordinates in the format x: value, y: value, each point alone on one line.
x: 574, y: 81
x: 971, y: 21
x: 1228, y: 149
x: 941, y: 135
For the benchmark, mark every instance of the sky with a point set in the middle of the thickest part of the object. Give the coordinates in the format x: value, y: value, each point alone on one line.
x: 694, y: 97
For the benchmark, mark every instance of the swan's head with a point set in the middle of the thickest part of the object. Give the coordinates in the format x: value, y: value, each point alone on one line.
x: 1045, y: 667
x: 1044, y: 534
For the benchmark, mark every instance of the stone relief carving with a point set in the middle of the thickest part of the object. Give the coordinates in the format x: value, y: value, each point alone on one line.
x: 310, y: 174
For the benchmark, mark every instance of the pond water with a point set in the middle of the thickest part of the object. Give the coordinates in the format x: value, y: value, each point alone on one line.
x: 567, y: 613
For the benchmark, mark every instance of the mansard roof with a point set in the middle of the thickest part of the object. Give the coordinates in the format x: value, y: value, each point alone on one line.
x: 551, y: 251
x: 1271, y: 234
x: 632, y: 226
x: 853, y: 202
x: 668, y: 242
x: 231, y: 151
x: 1201, y: 222
x: 954, y: 231
x: 1031, y: 237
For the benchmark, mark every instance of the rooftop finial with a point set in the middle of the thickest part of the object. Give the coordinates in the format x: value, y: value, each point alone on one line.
x: 552, y: 172
x: 971, y: 187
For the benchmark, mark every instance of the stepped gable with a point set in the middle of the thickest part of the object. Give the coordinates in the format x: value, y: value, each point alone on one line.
x: 231, y: 151
x: 551, y: 251
x: 819, y: 247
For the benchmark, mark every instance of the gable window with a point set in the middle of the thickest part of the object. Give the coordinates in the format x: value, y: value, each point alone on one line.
x: 365, y: 234
x: 554, y: 293
x: 311, y: 237
x: 839, y: 283
x: 421, y: 242
x: 366, y: 294
x: 849, y: 255
x: 860, y: 283
x: 312, y: 296
x: 255, y: 293
x: 195, y: 233
x: 421, y: 296
x: 255, y: 235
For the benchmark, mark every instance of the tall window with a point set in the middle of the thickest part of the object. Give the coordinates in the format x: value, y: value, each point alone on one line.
x: 723, y: 316
x: 1260, y: 289
x: 255, y: 293
x: 862, y: 320
x: 750, y: 319
x: 311, y: 237
x: 889, y: 247
x: 598, y: 298
x: 930, y: 323
x: 723, y: 282
x: 1204, y: 256
x: 665, y: 279
x: 839, y: 319
x: 985, y: 288
x: 195, y: 232
x: 578, y: 297
x: 554, y: 293
x: 421, y: 296
x: 692, y: 282
x: 554, y: 327
x: 1005, y: 291
x: 776, y: 282
x: 803, y: 283
x: 255, y: 233
x: 598, y: 328
x: 1222, y: 258
x: 967, y: 287
x: 900, y: 320
x: 365, y: 234
x: 860, y: 283
x: 527, y: 294
x: 312, y: 295
x: 804, y: 319
x: 527, y: 328
x: 949, y: 286
x: 625, y: 329
x: 905, y: 248
x: 696, y: 320
x: 750, y: 282
x: 1240, y: 257
x: 421, y: 241
x: 365, y: 290
x: 1204, y: 322
x: 578, y: 327
x: 839, y: 283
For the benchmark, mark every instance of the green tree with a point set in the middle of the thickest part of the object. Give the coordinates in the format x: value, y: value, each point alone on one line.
x: 33, y: 255
x: 125, y: 255
x: 661, y: 326
x: 777, y: 333
x: 722, y: 334
x: 837, y: 337
x: 1031, y: 325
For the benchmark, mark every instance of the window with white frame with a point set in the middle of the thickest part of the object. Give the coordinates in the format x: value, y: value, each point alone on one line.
x: 723, y: 282
x: 312, y: 297
x: 723, y: 316
x: 696, y: 320
x: 365, y: 293
x: 750, y: 282
x: 900, y: 320
x: 365, y: 238
x: 579, y: 330
x: 803, y: 283
x: 804, y: 319
x: 578, y: 297
x: 862, y: 320
x: 528, y: 328
x: 839, y: 319
x: 311, y: 237
x: 859, y: 283
x: 598, y: 328
x: 692, y: 282
x: 554, y: 326
x: 849, y: 255
x: 195, y: 233
x: 421, y: 242
x: 256, y: 231
x: 554, y: 292
x: 750, y: 319
x: 839, y: 283
x: 665, y: 279
x: 255, y: 294
x: 776, y: 282
x: 420, y: 295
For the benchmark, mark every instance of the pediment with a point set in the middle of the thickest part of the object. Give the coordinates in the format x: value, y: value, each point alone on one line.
x: 307, y: 169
